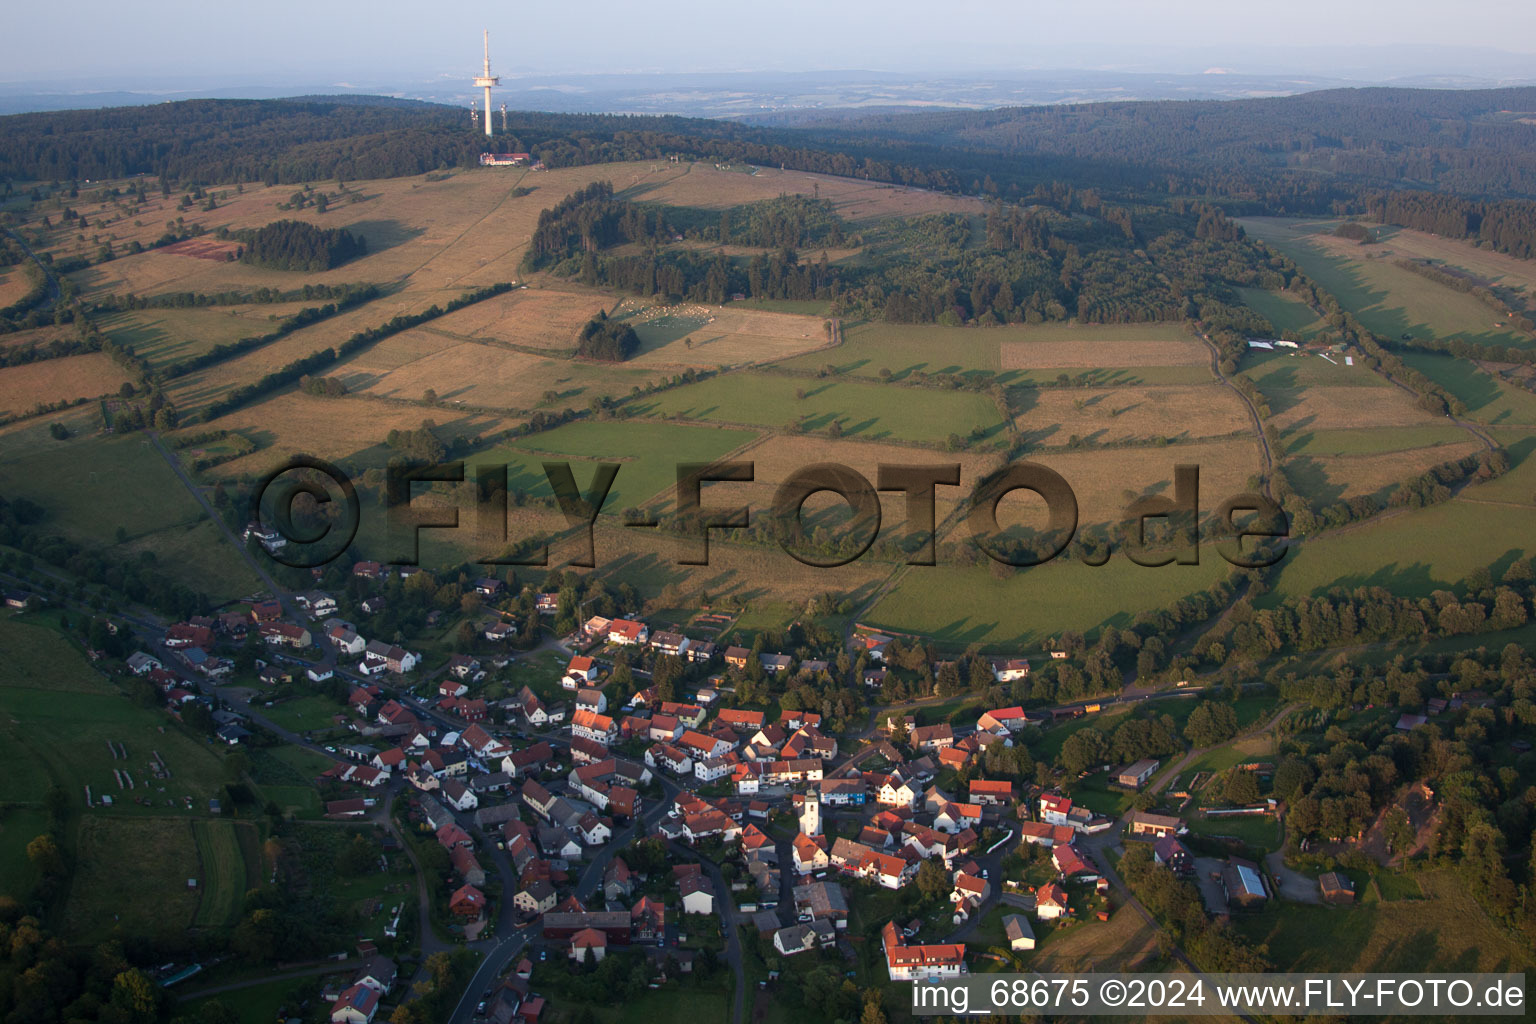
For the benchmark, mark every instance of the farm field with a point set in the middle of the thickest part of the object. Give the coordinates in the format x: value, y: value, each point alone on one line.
x: 1281, y: 369
x: 778, y: 456
x: 199, y: 556
x: 1488, y: 400
x: 131, y: 877
x: 540, y: 318
x: 349, y: 430
x: 14, y: 285
x: 1388, y: 299
x: 877, y: 412
x: 702, y: 185
x: 1329, y: 478
x: 959, y: 606
x: 1016, y: 354
x: 1488, y: 265
x: 719, y: 336
x: 58, y: 380
x: 1326, y: 407
x: 59, y: 715
x: 166, y: 336
x: 1284, y: 311
x: 1410, y: 552
x: 1106, y: 480
x: 649, y: 453
x: 484, y: 375
x: 19, y: 825
x: 223, y: 878
x: 1447, y: 927
x: 1370, y: 440
x: 1051, y: 417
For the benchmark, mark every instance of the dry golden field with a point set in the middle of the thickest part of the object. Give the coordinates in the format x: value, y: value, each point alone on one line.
x: 777, y: 456
x: 1334, y: 477
x: 14, y: 285
x: 1332, y: 408
x: 458, y: 233
x: 1096, y: 352
x: 546, y: 318
x: 345, y: 429
x: 1405, y: 243
x: 710, y: 337
x: 58, y: 380
x: 1051, y: 416
x: 1105, y: 481
x: 37, y: 336
x: 486, y: 375
x: 705, y: 187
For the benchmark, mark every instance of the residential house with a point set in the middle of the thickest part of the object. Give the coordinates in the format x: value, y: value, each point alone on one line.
x: 933, y: 737
x: 357, y: 1004
x: 536, y: 897
x: 1172, y: 853
x: 1050, y: 902
x: 1020, y: 934
x: 589, y: 941
x: 467, y: 903
x: 627, y: 632
x: 920, y: 963
x: 795, y: 939
x: 674, y: 644
x: 698, y: 894
x: 994, y: 792
x: 1010, y: 670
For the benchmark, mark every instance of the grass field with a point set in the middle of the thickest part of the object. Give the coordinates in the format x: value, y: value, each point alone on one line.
x: 348, y: 430
x: 485, y: 375
x: 1052, y: 417
x: 1282, y: 369
x: 649, y: 453
x: 222, y: 880
x: 57, y: 715
x: 165, y: 336
x: 1410, y: 553
x: 704, y: 186
x: 1283, y: 310
x: 58, y: 380
x: 1371, y: 440
x: 1329, y: 478
x: 716, y: 336
x: 875, y: 412
x: 960, y: 606
x: 122, y: 484
x: 131, y: 875
x: 1488, y: 400
x: 541, y: 318
x: 1388, y: 299
x: 19, y: 825
x: 1445, y: 931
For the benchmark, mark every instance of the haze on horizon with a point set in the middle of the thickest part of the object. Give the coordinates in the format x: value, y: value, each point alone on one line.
x: 383, y: 44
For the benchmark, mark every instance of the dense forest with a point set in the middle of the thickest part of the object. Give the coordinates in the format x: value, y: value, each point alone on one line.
x: 1313, y: 153
x: 295, y: 245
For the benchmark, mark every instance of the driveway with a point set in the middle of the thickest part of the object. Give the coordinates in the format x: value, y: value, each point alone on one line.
x: 1210, y: 889
x: 1291, y: 885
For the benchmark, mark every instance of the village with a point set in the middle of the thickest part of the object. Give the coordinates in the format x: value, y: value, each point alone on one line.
x: 603, y: 820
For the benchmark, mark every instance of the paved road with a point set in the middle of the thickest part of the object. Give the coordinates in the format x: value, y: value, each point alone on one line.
x: 727, y: 909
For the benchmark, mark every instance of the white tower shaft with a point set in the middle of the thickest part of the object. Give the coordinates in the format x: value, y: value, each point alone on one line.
x: 486, y: 81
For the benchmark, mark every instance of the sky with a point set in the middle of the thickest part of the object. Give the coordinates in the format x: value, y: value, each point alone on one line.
x: 107, y: 43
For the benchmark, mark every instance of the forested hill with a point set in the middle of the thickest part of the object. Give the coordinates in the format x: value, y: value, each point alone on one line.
x: 1479, y: 143
x: 1316, y: 152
